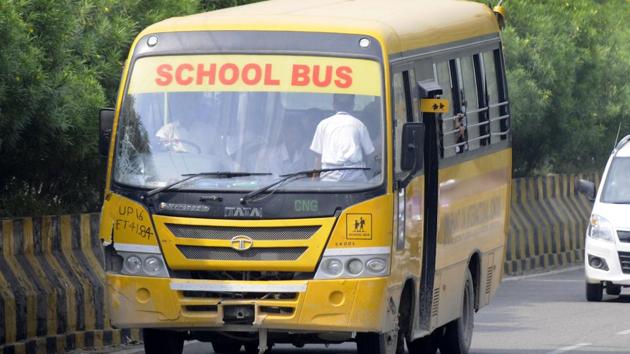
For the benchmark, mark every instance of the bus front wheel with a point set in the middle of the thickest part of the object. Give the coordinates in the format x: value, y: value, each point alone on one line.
x: 158, y: 341
x: 458, y: 334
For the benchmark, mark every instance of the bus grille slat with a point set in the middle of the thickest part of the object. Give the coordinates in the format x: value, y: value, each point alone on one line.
x: 255, y: 233
x: 253, y: 254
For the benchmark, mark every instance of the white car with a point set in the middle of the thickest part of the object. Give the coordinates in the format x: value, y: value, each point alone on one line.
x: 607, y: 247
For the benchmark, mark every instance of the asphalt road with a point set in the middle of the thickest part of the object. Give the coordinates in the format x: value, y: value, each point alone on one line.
x: 535, y: 314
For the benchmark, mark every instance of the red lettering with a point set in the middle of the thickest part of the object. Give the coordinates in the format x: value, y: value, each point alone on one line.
x: 344, y: 73
x: 210, y: 74
x: 179, y: 77
x: 269, y: 81
x: 327, y: 79
x: 164, y: 75
x: 223, y: 76
x: 300, y: 75
x: 249, y: 68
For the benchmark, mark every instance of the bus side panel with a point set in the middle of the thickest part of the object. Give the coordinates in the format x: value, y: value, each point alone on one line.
x: 473, y: 202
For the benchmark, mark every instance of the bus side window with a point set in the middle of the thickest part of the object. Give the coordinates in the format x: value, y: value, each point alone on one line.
x: 495, y: 93
x: 470, y: 103
x: 447, y: 131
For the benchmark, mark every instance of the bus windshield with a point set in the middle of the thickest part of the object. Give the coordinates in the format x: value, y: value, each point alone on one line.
x: 252, y: 114
x: 617, y: 187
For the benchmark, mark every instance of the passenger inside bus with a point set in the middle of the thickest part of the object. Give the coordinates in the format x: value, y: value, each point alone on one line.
x: 290, y: 154
x: 342, y: 140
x: 185, y: 130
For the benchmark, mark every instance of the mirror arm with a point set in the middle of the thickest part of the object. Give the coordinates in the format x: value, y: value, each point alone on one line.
x: 402, y: 183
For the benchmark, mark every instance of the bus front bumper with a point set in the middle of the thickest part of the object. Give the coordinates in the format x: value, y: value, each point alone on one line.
x: 355, y: 305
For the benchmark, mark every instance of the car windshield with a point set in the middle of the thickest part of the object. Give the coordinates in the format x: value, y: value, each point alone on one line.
x: 257, y: 114
x: 617, y: 187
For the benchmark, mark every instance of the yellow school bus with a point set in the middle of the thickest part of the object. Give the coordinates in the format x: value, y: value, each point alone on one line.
x: 313, y: 171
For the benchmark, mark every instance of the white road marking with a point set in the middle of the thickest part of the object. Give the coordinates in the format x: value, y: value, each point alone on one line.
x: 521, y: 277
x: 556, y: 280
x: 623, y: 333
x: 568, y: 349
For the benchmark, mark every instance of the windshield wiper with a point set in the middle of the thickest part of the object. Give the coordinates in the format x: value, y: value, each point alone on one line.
x: 189, y: 176
x: 295, y: 175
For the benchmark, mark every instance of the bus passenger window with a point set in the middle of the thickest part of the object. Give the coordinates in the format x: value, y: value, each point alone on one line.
x: 470, y: 103
x: 494, y: 100
x: 448, y: 130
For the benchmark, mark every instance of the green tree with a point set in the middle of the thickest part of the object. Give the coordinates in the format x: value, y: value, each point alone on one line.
x: 60, y: 61
x: 567, y: 68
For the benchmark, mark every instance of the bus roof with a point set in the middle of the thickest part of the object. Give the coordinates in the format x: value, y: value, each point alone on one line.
x: 401, y: 25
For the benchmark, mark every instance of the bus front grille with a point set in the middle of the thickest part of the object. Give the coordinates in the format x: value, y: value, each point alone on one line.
x: 253, y: 254
x: 255, y: 233
x: 242, y: 275
x: 624, y: 259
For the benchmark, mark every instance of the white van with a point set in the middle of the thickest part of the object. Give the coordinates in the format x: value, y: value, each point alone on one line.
x: 607, y: 247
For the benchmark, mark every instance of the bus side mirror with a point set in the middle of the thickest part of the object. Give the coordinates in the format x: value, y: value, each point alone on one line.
x: 587, y: 188
x: 106, y: 123
x: 412, y: 148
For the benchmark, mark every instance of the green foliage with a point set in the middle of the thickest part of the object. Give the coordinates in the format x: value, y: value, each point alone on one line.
x: 60, y: 62
x: 567, y: 69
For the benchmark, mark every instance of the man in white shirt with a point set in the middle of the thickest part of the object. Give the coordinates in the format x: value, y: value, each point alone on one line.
x: 342, y: 141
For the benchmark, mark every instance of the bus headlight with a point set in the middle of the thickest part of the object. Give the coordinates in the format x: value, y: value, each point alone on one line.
x: 333, y: 267
x: 600, y: 228
x: 153, y: 265
x: 355, y: 266
x: 131, y: 260
x: 376, y: 265
x: 354, y: 263
x: 133, y: 265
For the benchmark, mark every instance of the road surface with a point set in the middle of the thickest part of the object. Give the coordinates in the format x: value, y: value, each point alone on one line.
x: 545, y: 314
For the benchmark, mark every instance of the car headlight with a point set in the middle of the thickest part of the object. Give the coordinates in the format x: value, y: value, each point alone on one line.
x: 135, y: 260
x: 349, y: 263
x: 600, y: 228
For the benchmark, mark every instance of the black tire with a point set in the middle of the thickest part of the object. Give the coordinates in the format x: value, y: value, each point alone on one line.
x: 424, y: 345
x: 594, y: 292
x: 613, y: 289
x: 226, y: 346
x: 458, y: 334
x: 157, y: 341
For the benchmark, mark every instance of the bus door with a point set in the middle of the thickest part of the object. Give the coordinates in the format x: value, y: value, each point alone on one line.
x: 431, y: 105
x: 417, y: 186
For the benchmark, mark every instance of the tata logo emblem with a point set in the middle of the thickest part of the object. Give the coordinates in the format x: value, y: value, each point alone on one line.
x: 243, y: 212
x: 241, y: 243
